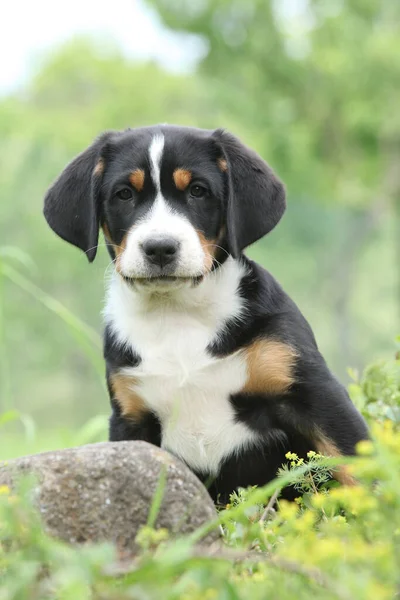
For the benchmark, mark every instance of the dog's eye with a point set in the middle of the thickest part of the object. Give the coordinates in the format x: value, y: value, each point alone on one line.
x: 125, y: 194
x: 198, y: 191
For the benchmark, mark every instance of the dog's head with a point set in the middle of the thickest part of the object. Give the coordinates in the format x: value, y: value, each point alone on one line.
x: 173, y: 202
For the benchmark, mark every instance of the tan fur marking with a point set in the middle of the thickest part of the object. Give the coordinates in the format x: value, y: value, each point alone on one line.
x: 132, y: 405
x: 106, y: 232
x: 208, y: 249
x: 99, y: 168
x: 222, y: 164
x: 118, y: 249
x: 325, y: 446
x: 269, y: 367
x: 182, y: 178
x: 137, y: 179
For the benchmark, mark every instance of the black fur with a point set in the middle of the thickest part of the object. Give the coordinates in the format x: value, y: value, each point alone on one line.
x: 242, y: 204
x: 256, y: 200
x: 72, y: 203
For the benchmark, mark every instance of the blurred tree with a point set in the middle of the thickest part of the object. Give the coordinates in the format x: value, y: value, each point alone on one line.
x: 315, y: 85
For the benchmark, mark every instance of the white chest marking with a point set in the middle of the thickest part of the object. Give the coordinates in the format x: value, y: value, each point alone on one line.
x: 177, y: 378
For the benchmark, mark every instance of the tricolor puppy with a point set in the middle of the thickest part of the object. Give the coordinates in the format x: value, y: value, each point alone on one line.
x: 206, y: 355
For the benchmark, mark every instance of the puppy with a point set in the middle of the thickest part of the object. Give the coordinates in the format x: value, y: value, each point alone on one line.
x: 206, y: 356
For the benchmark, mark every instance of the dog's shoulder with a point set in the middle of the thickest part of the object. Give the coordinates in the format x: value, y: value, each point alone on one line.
x: 270, y: 314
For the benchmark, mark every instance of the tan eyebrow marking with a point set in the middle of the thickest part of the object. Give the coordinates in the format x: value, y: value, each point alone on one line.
x: 99, y: 168
x: 137, y: 179
x: 223, y: 165
x: 182, y: 178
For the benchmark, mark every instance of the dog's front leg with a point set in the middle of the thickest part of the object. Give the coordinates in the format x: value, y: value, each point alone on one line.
x: 144, y: 427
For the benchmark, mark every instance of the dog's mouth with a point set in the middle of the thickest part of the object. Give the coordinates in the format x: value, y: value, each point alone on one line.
x: 162, y: 280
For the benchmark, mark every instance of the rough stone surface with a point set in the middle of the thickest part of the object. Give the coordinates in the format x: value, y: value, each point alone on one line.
x: 104, y: 492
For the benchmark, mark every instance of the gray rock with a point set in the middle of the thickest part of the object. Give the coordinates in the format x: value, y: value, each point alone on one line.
x: 104, y: 492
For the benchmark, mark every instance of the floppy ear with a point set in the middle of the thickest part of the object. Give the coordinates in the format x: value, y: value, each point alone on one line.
x: 256, y: 197
x: 71, y: 204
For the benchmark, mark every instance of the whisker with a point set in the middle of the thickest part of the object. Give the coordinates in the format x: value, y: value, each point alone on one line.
x: 107, y: 269
x: 103, y: 246
x: 94, y: 248
x: 216, y: 246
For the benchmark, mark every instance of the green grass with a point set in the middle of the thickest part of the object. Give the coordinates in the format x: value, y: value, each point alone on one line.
x: 13, y: 445
x: 20, y: 436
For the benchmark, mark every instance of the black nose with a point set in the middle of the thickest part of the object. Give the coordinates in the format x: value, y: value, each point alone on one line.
x: 161, y: 250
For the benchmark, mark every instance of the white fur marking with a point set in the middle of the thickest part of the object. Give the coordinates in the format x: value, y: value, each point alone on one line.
x: 186, y: 387
x: 155, y: 153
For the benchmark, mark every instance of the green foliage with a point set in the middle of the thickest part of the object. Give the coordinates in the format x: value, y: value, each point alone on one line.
x: 316, y: 478
x: 377, y: 392
x: 13, y: 264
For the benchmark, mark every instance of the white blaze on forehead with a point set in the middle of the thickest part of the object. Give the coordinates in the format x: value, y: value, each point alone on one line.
x: 155, y: 154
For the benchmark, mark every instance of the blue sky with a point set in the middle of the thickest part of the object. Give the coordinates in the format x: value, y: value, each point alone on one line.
x: 29, y: 29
